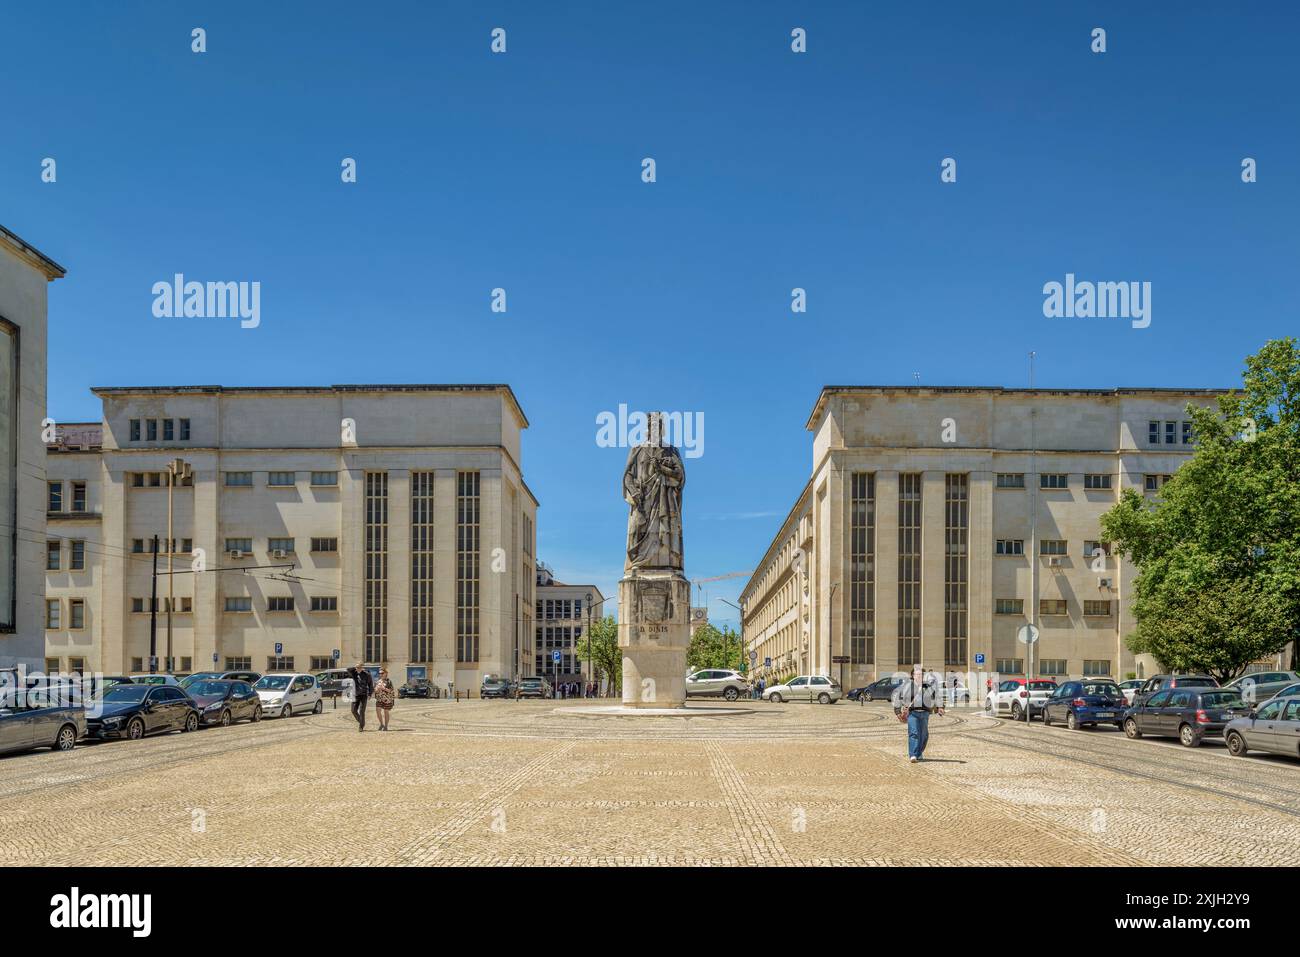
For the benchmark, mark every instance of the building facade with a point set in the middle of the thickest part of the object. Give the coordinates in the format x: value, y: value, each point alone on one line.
x: 939, y: 521
x: 25, y: 274
x: 564, y: 613
x: 311, y: 528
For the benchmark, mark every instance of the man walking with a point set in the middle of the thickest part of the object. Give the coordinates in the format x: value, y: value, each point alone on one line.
x: 363, y: 685
x: 914, y: 701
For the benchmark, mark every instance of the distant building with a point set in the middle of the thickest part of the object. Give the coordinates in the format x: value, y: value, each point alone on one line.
x: 699, y: 617
x: 563, y: 612
x: 25, y: 274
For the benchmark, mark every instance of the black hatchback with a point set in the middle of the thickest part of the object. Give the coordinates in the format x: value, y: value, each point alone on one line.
x: 1188, y: 714
x: 134, y: 710
x: 882, y: 690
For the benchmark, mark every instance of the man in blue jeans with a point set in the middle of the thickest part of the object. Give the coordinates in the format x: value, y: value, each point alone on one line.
x: 914, y: 701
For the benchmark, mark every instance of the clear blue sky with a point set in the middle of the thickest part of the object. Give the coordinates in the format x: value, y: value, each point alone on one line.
x: 775, y: 170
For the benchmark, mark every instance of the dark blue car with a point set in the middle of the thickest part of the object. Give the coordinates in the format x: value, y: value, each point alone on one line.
x: 1092, y: 701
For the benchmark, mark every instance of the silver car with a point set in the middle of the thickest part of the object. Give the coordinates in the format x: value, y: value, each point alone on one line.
x: 1273, y: 726
x: 1261, y: 686
x: 806, y: 688
x: 29, y: 720
x: 717, y: 682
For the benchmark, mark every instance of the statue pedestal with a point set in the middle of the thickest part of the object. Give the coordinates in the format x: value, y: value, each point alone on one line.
x: 654, y: 633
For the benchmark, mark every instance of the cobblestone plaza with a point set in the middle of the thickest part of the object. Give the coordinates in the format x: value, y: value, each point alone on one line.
x: 537, y: 783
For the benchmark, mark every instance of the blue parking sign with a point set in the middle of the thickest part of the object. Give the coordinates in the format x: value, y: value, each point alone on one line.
x: 279, y: 647
x: 979, y: 659
x: 555, y: 656
x: 336, y: 654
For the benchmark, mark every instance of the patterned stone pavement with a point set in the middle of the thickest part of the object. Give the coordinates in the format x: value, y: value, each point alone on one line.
x: 535, y: 783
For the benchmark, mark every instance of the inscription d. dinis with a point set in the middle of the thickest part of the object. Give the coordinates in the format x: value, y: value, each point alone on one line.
x: 652, y: 486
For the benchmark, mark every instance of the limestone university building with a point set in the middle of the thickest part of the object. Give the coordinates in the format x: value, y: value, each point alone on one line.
x: 380, y: 523
x: 937, y: 521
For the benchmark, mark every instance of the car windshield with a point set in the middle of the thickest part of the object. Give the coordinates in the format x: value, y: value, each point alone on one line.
x: 1195, y: 682
x: 1102, y: 688
x: 1042, y: 685
x: 273, y: 683
x: 207, y: 688
x: 203, y: 676
x: 125, y: 693
x: 1221, y: 699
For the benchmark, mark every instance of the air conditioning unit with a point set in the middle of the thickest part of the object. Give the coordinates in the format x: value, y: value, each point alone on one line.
x: 236, y: 553
x: 279, y: 553
x: 1054, y: 561
x: 1104, y: 582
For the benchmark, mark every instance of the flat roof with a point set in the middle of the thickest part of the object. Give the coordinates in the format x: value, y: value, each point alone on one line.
x: 829, y: 390
x: 29, y: 252
x: 312, y: 390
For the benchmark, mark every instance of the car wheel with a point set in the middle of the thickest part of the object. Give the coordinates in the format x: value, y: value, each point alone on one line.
x: 1131, y: 728
x: 1047, y: 718
x: 320, y: 706
x: 135, y: 730
x: 67, y: 739
x: 257, y: 714
x: 225, y: 718
x: 823, y: 698
x: 731, y: 694
x: 869, y: 696
x: 286, y: 711
x: 1236, y: 745
x: 775, y: 696
x: 191, y: 722
x: 1188, y: 737
x: 1016, y: 711
x: 988, y: 706
x: 1071, y: 721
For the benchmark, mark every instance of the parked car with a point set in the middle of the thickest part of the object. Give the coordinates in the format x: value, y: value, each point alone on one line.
x: 1189, y: 714
x: 1260, y: 687
x: 290, y: 693
x: 952, y: 694
x: 34, y: 721
x: 1160, y: 682
x: 135, y: 710
x: 494, y: 687
x: 1087, y: 703
x: 1274, y: 726
x: 1022, y: 702
x: 251, y: 677
x: 418, y: 688
x: 880, y: 689
x: 199, y: 676
x: 717, y: 682
x: 156, y: 679
x: 330, y: 681
x: 817, y: 688
x: 1130, y: 688
x: 535, y: 687
x: 223, y: 701
x: 1289, y: 691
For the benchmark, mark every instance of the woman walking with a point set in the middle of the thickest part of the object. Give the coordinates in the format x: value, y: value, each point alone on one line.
x: 384, y: 698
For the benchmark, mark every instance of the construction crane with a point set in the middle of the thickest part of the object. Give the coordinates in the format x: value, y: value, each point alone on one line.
x: 699, y: 582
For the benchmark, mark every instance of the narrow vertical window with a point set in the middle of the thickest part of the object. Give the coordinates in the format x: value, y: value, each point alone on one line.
x: 467, y: 562
x: 909, y: 569
x: 422, y: 610
x: 955, y: 572
x: 376, y: 571
x: 862, y: 571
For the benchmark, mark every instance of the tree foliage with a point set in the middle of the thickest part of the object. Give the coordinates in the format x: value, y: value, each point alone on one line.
x: 711, y: 648
x: 600, y: 646
x: 1218, y: 552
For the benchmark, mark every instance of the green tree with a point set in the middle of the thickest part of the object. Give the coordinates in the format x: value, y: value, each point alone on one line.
x: 1218, y: 553
x: 711, y: 648
x: 600, y: 646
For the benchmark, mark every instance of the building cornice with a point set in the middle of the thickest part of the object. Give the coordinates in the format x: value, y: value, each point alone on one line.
x: 30, y: 254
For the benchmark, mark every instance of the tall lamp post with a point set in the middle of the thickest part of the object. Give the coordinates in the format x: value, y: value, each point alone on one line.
x: 591, y: 665
x: 742, y: 630
x: 177, y: 469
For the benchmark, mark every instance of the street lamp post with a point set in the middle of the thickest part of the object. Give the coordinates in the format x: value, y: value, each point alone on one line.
x: 591, y: 665
x: 176, y: 469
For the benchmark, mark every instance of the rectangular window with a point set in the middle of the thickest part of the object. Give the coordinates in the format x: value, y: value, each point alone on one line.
x: 279, y: 663
x: 53, y: 556
x: 423, y: 614
x: 281, y: 479
x: 1053, y: 546
x: 156, y: 480
x: 239, y: 664
x: 78, y: 556
x: 1090, y: 549
x: 239, y: 479
x: 1171, y: 433
x: 909, y: 569
x: 244, y: 545
x: 321, y: 663
x: 324, y: 544
x: 169, y: 430
x: 1097, y: 481
x: 279, y: 603
x: 324, y: 478
x: 54, y: 500
x: 1153, y: 432
x: 151, y: 429
x: 185, y: 430
x: 1096, y: 667
x: 1010, y: 546
x: 77, y: 665
x: 862, y: 569
x: 137, y: 606
x: 1011, y: 666
x: 76, y: 613
x: 1052, y: 606
x: 274, y: 545
x: 1054, y: 480
x: 78, y: 496
x: 1009, y: 606
x: 324, y: 603
x: 135, y: 430
x: 1011, y: 480
x: 376, y: 567
x: 1053, y: 668
x: 137, y: 664
x: 467, y: 561
x: 956, y: 506
x: 1096, y: 609
x: 1187, y: 434
x: 239, y: 603
x: 52, y: 613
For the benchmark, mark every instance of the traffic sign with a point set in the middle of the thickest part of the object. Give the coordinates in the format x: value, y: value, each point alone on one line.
x: 336, y: 654
x: 555, y: 656
x: 753, y: 656
x: 1028, y: 634
x: 840, y: 659
x: 767, y: 662
x: 214, y: 657
x: 279, y: 647
x: 979, y: 658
